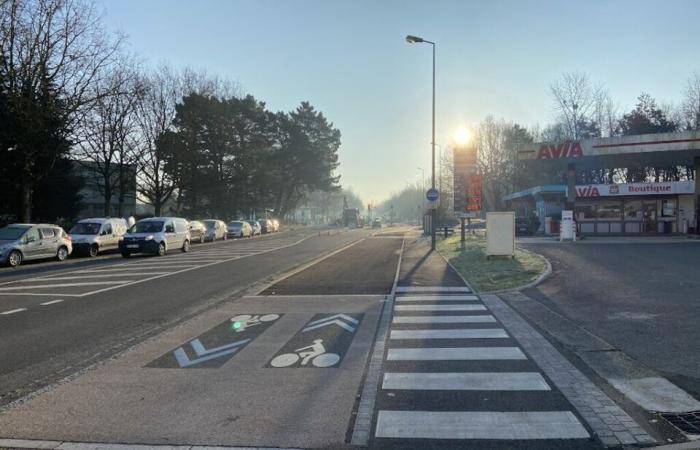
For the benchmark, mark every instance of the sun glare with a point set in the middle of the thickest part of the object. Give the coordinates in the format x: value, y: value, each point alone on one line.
x: 461, y: 136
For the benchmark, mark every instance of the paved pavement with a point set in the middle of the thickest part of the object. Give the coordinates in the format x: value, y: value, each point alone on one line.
x: 45, y: 341
x: 640, y: 298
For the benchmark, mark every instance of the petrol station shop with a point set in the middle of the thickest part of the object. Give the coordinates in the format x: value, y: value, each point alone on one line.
x: 647, y: 207
x: 629, y: 208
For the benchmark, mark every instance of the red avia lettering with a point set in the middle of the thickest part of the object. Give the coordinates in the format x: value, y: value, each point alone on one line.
x: 587, y: 191
x: 563, y: 150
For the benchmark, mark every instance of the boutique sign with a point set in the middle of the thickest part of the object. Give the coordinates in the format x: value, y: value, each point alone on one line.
x: 613, y: 190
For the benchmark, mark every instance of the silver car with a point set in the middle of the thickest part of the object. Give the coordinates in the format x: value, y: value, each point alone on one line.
x: 216, y: 229
x: 25, y: 241
x: 239, y: 228
x: 91, y: 236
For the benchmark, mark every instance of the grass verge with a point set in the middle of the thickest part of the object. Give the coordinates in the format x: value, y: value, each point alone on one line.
x: 491, y: 274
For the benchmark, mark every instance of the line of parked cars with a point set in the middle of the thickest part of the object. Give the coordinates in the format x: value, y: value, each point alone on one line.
x: 88, y: 237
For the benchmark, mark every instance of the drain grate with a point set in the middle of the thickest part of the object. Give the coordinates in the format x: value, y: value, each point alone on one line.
x: 686, y: 422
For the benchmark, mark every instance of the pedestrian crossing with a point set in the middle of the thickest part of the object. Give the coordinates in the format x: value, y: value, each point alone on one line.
x: 453, y: 375
x: 83, y: 282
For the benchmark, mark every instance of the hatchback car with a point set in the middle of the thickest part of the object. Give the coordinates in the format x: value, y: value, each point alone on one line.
x: 239, y: 228
x: 198, y: 231
x: 25, y: 241
x: 255, y: 225
x: 216, y: 230
x: 266, y: 226
x: 91, y: 236
x: 156, y: 235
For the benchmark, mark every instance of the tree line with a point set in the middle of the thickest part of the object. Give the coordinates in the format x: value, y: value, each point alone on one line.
x: 72, y: 97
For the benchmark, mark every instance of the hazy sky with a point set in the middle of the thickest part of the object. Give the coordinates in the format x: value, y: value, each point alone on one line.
x: 350, y: 60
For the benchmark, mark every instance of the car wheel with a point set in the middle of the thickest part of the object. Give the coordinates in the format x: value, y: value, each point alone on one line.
x: 201, y: 239
x: 62, y: 254
x: 224, y: 237
x: 15, y: 258
x: 93, y: 250
x: 185, y: 246
x: 126, y: 255
x: 161, y: 249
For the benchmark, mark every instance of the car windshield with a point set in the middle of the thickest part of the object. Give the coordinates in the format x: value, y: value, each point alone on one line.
x: 9, y: 233
x: 235, y: 224
x: 210, y: 224
x: 149, y: 226
x: 85, y: 228
x: 252, y: 224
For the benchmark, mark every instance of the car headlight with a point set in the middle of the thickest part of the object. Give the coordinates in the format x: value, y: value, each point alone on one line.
x: 148, y: 238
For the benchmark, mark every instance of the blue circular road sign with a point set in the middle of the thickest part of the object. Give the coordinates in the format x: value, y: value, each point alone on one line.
x: 432, y: 194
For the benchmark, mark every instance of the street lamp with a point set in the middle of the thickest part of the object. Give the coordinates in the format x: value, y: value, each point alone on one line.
x: 418, y: 40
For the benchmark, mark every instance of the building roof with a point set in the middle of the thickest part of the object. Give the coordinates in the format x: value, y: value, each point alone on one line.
x: 544, y: 189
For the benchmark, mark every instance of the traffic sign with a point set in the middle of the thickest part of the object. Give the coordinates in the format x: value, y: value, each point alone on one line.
x: 432, y: 194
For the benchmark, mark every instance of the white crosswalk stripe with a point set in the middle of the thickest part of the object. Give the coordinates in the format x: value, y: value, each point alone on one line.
x: 423, y: 327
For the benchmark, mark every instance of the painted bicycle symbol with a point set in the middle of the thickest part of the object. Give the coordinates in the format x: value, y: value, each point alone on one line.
x: 243, y: 321
x: 314, y: 353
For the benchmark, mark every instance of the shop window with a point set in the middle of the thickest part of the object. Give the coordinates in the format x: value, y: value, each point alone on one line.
x: 609, y: 210
x: 633, y: 210
x: 585, y: 211
x: 668, y: 208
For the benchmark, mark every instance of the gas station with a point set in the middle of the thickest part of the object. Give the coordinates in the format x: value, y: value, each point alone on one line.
x: 649, y: 207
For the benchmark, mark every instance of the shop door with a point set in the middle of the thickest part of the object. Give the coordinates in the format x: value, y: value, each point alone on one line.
x: 649, y: 218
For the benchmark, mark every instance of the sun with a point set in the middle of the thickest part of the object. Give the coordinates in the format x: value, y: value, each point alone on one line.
x: 461, y: 136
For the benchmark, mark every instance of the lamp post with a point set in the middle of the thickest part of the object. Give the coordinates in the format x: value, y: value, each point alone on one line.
x: 418, y: 40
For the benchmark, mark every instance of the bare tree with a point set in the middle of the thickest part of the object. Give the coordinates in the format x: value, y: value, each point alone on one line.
x: 51, y: 45
x: 691, y: 102
x: 105, y: 135
x: 575, y: 100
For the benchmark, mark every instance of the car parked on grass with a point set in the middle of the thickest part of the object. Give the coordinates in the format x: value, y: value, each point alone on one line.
x: 198, y: 231
x: 95, y: 235
x: 239, y: 228
x: 26, y: 241
x: 255, y: 225
x: 156, y: 235
x: 216, y: 230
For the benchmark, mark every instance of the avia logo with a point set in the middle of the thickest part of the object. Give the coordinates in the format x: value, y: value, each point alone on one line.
x: 563, y: 150
x: 587, y: 191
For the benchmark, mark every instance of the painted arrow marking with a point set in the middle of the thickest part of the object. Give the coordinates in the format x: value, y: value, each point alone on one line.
x: 337, y: 319
x: 205, y: 355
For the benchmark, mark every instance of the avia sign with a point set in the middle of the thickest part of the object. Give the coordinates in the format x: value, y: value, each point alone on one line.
x: 612, y: 190
x: 564, y: 150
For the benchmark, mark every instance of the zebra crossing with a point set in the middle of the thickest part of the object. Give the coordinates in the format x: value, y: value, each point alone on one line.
x: 453, y: 377
x: 89, y: 281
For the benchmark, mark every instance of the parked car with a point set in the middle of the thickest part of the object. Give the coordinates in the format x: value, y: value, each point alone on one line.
x: 216, y: 229
x: 266, y: 226
x: 255, y: 225
x: 95, y: 235
x: 276, y: 224
x: 377, y: 223
x: 523, y: 226
x: 156, y: 235
x: 239, y: 228
x: 198, y: 231
x: 26, y: 241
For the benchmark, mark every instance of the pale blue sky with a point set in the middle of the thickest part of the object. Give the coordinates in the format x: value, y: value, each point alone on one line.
x: 350, y: 60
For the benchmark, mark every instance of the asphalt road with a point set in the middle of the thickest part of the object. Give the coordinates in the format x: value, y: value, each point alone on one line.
x: 643, y: 299
x: 46, y: 341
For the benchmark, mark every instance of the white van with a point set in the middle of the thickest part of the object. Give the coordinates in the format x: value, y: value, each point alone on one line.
x: 156, y: 235
x: 95, y: 235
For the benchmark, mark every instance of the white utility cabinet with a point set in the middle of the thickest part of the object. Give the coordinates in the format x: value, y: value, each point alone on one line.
x: 500, y: 234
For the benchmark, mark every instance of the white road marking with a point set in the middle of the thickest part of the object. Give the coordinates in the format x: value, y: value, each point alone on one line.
x: 445, y: 319
x: 475, y: 381
x: 439, y: 308
x: 432, y: 289
x: 455, y: 354
x: 61, y: 285
x: 12, y: 311
x: 485, y: 333
x: 437, y: 298
x: 87, y: 275
x: 479, y: 425
x: 50, y: 303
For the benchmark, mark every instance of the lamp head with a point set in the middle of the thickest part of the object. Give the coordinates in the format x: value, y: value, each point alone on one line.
x: 413, y: 39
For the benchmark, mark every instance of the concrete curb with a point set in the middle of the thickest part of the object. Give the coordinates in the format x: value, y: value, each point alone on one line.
x: 66, y: 445
x: 682, y: 446
x: 543, y: 276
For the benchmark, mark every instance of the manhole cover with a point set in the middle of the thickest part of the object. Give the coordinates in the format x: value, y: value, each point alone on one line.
x: 686, y: 422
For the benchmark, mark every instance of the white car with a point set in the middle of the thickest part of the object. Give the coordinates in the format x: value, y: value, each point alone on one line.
x: 255, y: 225
x: 91, y: 236
x: 239, y: 228
x: 156, y: 235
